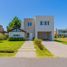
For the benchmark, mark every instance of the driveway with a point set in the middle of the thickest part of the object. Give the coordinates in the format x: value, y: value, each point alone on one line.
x: 27, y: 50
x: 58, y: 49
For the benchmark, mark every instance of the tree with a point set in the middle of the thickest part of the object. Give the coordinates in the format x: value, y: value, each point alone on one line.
x: 15, y: 23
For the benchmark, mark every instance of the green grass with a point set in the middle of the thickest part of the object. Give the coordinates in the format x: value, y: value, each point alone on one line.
x: 61, y: 40
x: 9, y: 46
x: 64, y: 42
x: 42, y: 53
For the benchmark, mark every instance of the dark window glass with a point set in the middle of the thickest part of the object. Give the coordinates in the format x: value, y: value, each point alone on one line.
x: 48, y: 22
x: 29, y: 23
x: 41, y: 23
x: 45, y: 22
x: 16, y: 35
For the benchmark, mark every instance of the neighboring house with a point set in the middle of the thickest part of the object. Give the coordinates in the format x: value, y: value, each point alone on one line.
x: 41, y: 27
x: 17, y: 33
x: 1, y: 29
x: 62, y: 32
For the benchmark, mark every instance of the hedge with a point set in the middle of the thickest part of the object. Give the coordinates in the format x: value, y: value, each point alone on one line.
x: 16, y: 39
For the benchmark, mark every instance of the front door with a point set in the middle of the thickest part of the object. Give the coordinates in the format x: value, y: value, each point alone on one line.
x: 30, y: 36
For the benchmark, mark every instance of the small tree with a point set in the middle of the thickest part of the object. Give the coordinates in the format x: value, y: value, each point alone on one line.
x: 15, y: 23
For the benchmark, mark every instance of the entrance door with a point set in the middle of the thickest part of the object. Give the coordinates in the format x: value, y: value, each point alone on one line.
x: 30, y: 36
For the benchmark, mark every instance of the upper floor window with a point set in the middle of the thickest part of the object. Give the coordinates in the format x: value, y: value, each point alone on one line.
x: 41, y: 22
x: 48, y: 22
x: 29, y: 23
x: 44, y: 22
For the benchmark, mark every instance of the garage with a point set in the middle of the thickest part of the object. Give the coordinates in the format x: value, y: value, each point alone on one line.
x: 44, y: 35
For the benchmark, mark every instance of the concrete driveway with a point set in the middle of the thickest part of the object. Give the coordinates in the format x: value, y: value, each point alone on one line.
x: 58, y: 49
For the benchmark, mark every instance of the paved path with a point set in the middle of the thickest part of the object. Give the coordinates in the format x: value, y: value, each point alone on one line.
x: 27, y: 50
x: 58, y: 49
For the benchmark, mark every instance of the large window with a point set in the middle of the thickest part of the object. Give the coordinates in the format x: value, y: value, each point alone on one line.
x: 41, y: 22
x: 29, y: 23
x: 44, y: 22
x: 16, y: 35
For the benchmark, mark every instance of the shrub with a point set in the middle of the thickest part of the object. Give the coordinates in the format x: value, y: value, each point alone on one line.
x: 16, y: 39
x: 3, y: 36
x: 38, y: 43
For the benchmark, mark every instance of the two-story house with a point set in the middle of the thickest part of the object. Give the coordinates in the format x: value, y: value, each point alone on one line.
x: 41, y: 27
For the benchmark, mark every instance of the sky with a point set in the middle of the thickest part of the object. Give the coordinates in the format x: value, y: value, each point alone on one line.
x: 30, y: 8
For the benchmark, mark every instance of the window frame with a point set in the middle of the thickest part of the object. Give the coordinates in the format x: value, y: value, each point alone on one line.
x: 29, y: 24
x: 44, y: 22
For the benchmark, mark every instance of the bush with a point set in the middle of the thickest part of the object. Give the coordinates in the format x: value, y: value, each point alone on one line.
x: 16, y: 39
x: 3, y: 36
x: 38, y: 43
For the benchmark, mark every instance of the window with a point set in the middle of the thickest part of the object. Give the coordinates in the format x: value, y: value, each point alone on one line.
x: 41, y: 23
x: 29, y: 23
x: 16, y: 35
x: 44, y: 22
x: 48, y: 22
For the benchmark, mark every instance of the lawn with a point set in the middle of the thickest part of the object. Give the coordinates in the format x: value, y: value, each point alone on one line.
x: 43, y: 53
x: 9, y: 46
x: 61, y: 40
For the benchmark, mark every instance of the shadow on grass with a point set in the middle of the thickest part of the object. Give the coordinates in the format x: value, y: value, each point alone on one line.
x: 1, y: 41
x: 64, y: 42
x: 58, y: 41
x: 6, y: 51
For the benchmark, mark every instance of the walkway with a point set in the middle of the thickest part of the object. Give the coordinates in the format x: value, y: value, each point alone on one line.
x: 58, y: 49
x: 27, y: 50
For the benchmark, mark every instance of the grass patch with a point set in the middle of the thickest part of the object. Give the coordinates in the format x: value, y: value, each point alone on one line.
x: 9, y: 48
x: 61, y: 40
x: 41, y: 51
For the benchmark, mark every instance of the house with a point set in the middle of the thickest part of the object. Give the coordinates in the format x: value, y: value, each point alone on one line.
x: 1, y: 29
x: 41, y: 27
x: 62, y: 32
x: 17, y: 33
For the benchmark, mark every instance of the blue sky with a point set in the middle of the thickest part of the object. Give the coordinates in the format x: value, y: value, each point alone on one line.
x: 30, y: 8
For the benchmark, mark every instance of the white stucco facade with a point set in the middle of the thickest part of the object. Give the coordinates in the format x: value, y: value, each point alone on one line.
x: 44, y: 28
x: 20, y: 34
